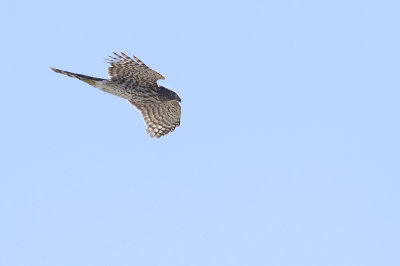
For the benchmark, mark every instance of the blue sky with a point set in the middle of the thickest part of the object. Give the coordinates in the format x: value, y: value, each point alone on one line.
x: 287, y: 153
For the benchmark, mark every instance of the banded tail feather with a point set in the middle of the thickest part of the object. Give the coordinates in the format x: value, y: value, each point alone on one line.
x: 88, y: 79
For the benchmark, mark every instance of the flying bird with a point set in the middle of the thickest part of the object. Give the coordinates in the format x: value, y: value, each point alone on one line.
x: 132, y: 80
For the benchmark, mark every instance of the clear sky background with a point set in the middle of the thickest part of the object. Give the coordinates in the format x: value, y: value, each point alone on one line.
x: 288, y: 151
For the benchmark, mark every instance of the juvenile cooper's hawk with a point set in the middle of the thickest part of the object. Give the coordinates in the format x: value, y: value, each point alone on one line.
x: 131, y: 79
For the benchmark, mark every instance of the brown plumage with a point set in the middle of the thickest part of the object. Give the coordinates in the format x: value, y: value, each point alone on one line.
x: 131, y: 79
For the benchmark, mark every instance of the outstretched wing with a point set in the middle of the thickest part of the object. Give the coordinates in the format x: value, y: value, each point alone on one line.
x: 160, y: 118
x: 124, y: 68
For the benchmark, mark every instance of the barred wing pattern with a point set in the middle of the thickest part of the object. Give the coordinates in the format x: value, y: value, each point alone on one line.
x: 124, y: 68
x: 160, y: 118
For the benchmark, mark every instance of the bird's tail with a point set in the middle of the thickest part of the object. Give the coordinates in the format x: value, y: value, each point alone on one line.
x: 90, y: 80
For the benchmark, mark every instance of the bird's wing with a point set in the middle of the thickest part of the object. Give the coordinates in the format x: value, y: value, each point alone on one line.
x: 124, y: 68
x: 160, y: 118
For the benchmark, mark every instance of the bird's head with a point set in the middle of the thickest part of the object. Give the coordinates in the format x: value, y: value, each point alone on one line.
x: 168, y: 95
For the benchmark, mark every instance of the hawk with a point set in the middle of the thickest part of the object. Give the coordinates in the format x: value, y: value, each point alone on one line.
x: 132, y: 80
